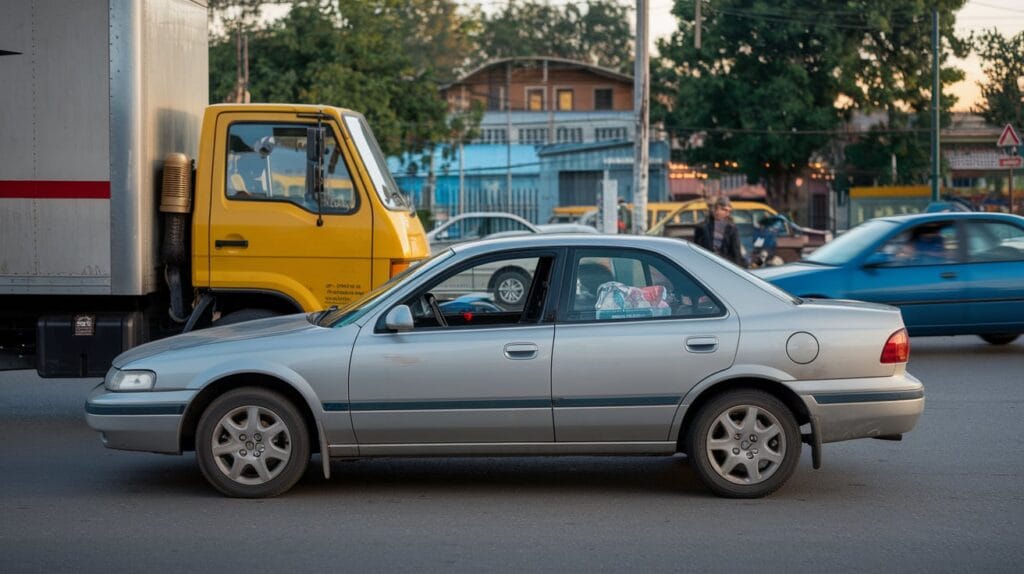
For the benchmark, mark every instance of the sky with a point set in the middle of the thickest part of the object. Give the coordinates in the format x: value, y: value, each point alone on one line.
x: 1007, y: 16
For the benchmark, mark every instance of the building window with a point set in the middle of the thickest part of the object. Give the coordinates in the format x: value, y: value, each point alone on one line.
x: 569, y: 135
x: 609, y: 134
x: 535, y: 99
x: 493, y: 136
x: 496, y: 98
x: 565, y: 100
x: 603, y: 99
x: 534, y: 136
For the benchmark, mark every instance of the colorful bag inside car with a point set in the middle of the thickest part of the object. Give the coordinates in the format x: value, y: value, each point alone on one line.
x: 619, y: 301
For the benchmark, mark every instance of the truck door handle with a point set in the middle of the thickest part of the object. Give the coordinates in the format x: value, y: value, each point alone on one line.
x: 242, y: 243
x: 520, y: 351
x: 947, y: 275
x: 701, y: 344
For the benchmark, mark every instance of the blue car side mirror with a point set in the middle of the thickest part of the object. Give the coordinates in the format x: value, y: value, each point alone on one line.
x: 878, y: 259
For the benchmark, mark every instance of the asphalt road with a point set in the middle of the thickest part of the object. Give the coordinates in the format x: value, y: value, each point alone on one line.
x: 946, y: 499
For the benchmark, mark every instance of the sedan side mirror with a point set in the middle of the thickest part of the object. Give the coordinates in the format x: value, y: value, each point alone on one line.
x: 399, y: 319
x: 878, y: 259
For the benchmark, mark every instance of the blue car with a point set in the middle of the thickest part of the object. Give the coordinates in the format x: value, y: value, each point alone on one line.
x: 951, y: 273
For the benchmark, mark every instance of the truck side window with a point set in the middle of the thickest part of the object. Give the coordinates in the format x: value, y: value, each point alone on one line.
x: 267, y: 162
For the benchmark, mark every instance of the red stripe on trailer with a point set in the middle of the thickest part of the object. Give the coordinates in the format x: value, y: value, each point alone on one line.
x: 54, y: 189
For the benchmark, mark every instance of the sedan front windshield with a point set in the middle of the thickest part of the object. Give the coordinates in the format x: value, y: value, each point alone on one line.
x: 850, y: 244
x: 349, y: 313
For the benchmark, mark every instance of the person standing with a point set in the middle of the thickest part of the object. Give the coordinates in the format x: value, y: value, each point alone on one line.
x: 719, y: 234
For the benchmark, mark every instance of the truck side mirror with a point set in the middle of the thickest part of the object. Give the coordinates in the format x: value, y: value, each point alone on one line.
x: 315, y: 169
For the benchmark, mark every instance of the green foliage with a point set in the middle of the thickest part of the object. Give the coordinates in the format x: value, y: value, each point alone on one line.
x: 600, y: 34
x: 383, y: 58
x: 1003, y: 61
x: 774, y: 82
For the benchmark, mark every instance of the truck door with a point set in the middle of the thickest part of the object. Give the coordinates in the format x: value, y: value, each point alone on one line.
x: 263, y: 231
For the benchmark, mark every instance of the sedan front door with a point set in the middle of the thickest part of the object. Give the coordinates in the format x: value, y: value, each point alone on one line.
x: 471, y: 371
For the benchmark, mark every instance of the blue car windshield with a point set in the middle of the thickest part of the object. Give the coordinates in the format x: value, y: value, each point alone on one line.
x: 850, y: 244
x: 349, y: 313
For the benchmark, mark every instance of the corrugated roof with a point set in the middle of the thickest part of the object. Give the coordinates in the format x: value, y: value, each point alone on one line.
x: 599, y: 70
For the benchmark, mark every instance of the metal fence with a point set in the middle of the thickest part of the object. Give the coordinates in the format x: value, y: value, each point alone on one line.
x: 522, y: 202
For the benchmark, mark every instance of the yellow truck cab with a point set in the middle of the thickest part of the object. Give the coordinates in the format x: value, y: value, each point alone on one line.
x: 135, y: 211
x: 262, y: 225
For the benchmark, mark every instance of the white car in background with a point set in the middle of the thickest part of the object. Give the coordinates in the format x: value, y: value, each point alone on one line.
x: 506, y: 285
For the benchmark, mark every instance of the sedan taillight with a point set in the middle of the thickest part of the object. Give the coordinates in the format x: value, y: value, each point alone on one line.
x: 897, y: 348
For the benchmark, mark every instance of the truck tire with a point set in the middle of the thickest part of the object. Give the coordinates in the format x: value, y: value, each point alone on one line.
x: 243, y: 315
x: 252, y: 443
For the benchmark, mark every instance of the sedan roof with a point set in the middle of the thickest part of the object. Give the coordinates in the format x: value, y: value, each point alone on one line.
x: 570, y: 240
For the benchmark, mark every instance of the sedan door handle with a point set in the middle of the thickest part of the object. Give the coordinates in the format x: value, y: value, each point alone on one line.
x: 947, y: 275
x: 520, y: 351
x: 241, y: 243
x: 702, y: 344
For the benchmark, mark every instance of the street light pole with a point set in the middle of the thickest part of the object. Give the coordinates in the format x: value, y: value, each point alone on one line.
x: 936, y: 94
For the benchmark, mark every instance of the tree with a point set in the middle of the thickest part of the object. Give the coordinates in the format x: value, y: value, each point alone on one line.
x: 1002, y: 92
x: 600, y: 34
x: 380, y: 57
x: 772, y: 84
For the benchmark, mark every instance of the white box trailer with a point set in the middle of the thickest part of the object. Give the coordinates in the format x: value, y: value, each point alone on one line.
x: 94, y: 94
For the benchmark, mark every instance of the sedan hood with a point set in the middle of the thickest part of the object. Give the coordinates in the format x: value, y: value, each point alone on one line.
x: 237, y: 332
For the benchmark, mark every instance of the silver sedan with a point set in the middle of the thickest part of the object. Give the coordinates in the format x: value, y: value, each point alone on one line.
x: 620, y: 346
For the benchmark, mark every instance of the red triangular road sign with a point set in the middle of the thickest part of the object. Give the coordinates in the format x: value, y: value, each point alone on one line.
x: 1009, y: 137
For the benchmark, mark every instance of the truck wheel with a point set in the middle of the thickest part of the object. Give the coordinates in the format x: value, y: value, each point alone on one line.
x: 252, y: 443
x: 510, y: 287
x: 243, y: 315
x: 1000, y: 338
x: 744, y: 444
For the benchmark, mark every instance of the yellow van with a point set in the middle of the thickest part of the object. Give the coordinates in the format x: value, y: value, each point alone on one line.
x: 744, y: 214
x: 587, y: 214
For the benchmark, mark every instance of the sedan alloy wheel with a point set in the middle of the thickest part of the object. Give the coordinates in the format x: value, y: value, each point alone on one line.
x: 744, y: 444
x: 252, y: 443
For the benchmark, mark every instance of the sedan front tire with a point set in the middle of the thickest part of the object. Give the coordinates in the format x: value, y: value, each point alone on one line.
x: 252, y: 443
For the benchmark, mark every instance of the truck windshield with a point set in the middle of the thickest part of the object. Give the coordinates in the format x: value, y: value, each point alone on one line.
x: 373, y: 158
x: 356, y: 309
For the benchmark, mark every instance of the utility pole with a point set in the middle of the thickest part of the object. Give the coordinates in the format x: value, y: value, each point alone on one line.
x: 936, y: 96
x: 641, y: 100
x: 508, y: 136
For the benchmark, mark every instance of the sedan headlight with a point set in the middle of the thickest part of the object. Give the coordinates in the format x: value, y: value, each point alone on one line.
x: 131, y: 381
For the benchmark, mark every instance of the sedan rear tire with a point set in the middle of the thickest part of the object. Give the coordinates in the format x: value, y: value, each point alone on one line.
x: 744, y: 444
x: 252, y: 443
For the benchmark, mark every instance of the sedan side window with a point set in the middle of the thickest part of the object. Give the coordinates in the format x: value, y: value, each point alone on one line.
x: 623, y: 284
x: 504, y: 291
x: 933, y: 243
x: 990, y: 241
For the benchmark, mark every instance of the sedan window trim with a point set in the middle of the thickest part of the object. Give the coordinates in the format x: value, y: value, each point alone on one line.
x: 556, y: 253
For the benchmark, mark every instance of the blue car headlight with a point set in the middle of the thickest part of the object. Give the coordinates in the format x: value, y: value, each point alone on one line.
x: 130, y: 381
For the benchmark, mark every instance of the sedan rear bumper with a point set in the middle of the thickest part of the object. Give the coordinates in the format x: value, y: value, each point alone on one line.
x: 859, y: 408
x: 145, y: 421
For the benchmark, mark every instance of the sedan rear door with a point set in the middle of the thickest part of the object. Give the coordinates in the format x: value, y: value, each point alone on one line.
x: 635, y: 333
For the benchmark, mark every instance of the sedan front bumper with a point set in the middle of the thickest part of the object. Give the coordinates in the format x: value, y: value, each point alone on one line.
x: 147, y: 420
x: 848, y: 409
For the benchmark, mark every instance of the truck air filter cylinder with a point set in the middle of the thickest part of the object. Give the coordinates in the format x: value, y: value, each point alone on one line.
x: 176, y: 205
